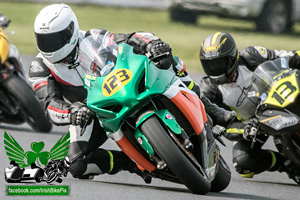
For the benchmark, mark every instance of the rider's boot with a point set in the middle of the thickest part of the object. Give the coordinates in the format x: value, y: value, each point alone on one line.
x: 219, y: 115
x: 122, y: 162
x: 281, y: 164
x: 291, y: 170
x: 108, y: 161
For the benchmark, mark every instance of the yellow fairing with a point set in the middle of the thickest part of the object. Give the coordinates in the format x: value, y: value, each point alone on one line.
x: 283, y: 92
x: 4, y: 46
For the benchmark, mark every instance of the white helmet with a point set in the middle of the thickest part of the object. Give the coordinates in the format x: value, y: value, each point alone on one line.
x: 56, y: 31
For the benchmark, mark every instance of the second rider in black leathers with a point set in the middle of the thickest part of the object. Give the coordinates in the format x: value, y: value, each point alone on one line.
x: 228, y: 82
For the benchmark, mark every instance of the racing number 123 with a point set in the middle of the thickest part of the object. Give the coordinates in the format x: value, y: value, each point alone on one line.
x: 115, y: 80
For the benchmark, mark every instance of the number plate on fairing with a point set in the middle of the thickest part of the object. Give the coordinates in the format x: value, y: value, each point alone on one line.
x: 283, y: 92
x: 115, y: 81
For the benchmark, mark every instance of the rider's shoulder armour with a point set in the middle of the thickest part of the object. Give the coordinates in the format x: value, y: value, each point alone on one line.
x: 38, y: 68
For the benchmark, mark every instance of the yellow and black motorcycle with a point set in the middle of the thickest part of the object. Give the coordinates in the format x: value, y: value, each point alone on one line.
x: 18, y: 103
x: 278, y: 112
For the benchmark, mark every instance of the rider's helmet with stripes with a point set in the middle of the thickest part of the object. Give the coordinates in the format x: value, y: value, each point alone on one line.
x: 219, y: 57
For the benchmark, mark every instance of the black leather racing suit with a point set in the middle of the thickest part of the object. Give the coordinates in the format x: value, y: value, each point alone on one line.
x: 58, y: 85
x: 234, y: 96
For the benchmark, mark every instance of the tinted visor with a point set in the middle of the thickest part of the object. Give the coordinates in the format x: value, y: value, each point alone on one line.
x: 54, y: 41
x: 216, y: 67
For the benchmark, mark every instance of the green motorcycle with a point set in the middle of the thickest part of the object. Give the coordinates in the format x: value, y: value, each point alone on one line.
x: 153, y: 117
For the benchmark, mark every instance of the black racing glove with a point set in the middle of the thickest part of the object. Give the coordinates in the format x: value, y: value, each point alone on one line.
x: 160, y: 54
x: 80, y: 114
x: 251, y: 130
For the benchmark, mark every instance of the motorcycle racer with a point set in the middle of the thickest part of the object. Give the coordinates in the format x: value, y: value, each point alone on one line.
x: 57, y: 81
x: 227, y: 83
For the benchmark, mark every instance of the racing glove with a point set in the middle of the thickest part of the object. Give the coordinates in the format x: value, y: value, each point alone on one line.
x: 251, y: 129
x: 80, y: 114
x: 160, y: 54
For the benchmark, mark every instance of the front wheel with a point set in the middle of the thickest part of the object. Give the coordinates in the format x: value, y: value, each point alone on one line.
x: 25, y: 100
x: 175, y: 159
x: 223, y: 177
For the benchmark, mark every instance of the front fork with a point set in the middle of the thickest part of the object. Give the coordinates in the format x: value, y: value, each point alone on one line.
x: 210, y: 152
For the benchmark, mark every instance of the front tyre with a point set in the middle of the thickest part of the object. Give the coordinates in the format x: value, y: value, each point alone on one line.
x: 29, y: 107
x: 175, y: 159
x: 223, y: 177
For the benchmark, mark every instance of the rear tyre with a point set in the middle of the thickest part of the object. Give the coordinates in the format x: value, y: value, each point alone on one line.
x: 174, y: 157
x: 223, y: 177
x: 24, y: 98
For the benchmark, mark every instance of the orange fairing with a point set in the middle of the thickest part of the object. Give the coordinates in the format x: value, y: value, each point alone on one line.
x: 192, y: 108
x: 134, y: 154
x: 4, y: 46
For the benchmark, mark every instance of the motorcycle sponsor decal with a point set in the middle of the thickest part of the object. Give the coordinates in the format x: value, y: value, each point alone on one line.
x: 140, y: 140
x: 120, y: 49
x: 284, y: 63
x: 115, y: 81
x: 263, y: 96
x: 283, y: 92
x: 55, y: 162
x: 168, y: 116
x: 280, y: 122
x: 87, y: 82
x: 142, y: 115
x: 262, y: 51
x: 253, y: 94
x: 107, y: 68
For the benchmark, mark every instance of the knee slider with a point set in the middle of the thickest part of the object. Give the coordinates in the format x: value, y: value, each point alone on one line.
x: 243, y: 162
x: 78, y: 167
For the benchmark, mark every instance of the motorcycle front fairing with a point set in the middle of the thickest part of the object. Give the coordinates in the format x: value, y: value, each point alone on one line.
x: 129, y: 86
x: 7, y: 53
x: 125, y: 88
x: 124, y: 91
x: 10, y: 61
x: 278, y: 87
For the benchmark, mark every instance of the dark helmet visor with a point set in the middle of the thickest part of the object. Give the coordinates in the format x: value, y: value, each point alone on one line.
x: 215, y: 67
x: 54, y: 41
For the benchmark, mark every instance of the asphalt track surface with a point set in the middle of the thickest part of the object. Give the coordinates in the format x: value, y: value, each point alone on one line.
x: 266, y: 186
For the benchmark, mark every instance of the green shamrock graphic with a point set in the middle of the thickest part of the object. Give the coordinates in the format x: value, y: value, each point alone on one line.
x: 43, y: 157
x: 15, y: 152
